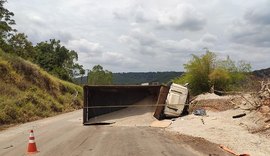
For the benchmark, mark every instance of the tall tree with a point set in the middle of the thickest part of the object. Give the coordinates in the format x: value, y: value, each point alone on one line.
x: 21, y: 46
x: 82, y: 72
x: 6, y: 22
x: 79, y: 71
x: 57, y: 59
x: 98, y: 76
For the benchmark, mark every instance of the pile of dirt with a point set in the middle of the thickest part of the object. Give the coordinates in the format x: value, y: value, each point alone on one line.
x: 210, y: 96
x: 213, y: 102
x: 265, y: 109
x: 264, y: 95
x: 250, y: 102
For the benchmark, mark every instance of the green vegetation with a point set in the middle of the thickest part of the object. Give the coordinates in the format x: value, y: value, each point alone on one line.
x: 204, y: 72
x: 5, y: 23
x: 57, y: 59
x: 28, y: 92
x: 98, y: 76
x: 49, y: 55
x: 18, y: 45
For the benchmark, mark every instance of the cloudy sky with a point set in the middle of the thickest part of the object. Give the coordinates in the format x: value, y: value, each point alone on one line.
x: 149, y: 35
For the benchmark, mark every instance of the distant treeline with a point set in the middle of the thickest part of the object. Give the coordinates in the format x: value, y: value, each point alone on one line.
x: 133, y: 78
x: 263, y: 73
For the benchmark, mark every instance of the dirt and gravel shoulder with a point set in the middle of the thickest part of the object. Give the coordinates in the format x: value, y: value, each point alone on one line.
x: 199, y: 144
x: 245, y: 135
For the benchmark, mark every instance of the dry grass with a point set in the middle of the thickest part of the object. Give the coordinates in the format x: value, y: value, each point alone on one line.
x: 29, y: 93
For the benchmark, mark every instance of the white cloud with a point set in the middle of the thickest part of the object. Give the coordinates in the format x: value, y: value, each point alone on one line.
x: 180, y: 17
x: 136, y: 13
x: 152, y: 35
x: 183, y: 17
x: 147, y: 43
x: 258, y: 16
x: 85, y: 46
x: 253, y: 28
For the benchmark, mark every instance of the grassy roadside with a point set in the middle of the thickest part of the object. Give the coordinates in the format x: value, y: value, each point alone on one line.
x: 28, y: 93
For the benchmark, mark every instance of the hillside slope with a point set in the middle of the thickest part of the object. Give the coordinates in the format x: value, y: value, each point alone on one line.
x: 263, y: 73
x: 28, y: 93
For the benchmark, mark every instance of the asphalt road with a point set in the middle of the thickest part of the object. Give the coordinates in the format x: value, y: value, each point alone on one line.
x: 65, y: 135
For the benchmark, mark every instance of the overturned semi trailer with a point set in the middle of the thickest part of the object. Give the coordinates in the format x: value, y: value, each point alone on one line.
x: 99, y: 100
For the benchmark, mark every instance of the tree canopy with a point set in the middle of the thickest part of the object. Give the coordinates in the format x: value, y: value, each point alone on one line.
x: 21, y: 46
x: 99, y: 76
x: 6, y: 22
x: 57, y: 59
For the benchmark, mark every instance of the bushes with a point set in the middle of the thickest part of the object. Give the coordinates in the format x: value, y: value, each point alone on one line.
x: 204, y: 72
x: 220, y: 78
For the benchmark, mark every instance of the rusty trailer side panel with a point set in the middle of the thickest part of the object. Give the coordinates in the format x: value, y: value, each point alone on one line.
x: 163, y: 92
x: 100, y: 100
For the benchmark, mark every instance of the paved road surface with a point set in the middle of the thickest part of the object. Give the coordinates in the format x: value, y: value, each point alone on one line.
x: 65, y: 135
